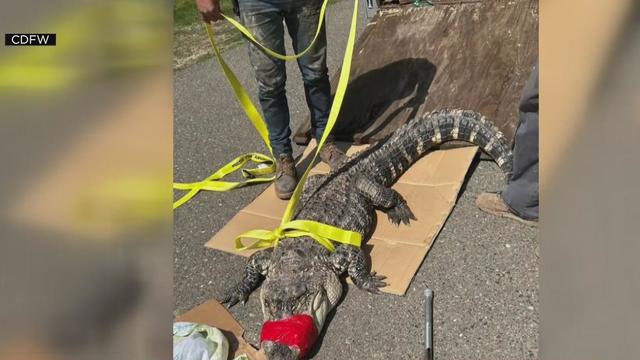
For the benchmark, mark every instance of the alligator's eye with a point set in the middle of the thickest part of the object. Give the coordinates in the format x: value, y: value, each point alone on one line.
x: 299, y: 290
x: 273, y: 307
x: 270, y: 305
x: 293, y: 303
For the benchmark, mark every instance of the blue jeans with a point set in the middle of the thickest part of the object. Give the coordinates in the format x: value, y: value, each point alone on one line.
x: 265, y: 19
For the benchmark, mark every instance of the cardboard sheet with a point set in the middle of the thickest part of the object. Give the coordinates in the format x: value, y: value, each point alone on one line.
x: 212, y: 313
x: 430, y: 187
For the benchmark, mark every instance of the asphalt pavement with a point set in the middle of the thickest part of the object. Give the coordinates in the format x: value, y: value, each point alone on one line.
x: 483, y: 270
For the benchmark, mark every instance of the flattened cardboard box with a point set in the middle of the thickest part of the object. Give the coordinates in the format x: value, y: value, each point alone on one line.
x: 430, y: 186
x: 212, y: 313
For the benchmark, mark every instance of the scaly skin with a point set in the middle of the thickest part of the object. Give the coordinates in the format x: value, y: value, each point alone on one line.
x: 301, y: 276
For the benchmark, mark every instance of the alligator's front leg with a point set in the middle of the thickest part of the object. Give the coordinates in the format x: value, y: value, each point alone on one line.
x: 389, y: 200
x: 254, y: 272
x: 354, y: 261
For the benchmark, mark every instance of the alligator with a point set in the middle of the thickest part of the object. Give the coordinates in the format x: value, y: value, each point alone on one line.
x: 301, y: 278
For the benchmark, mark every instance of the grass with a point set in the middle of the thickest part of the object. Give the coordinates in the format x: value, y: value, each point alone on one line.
x: 186, y: 14
x: 191, y: 43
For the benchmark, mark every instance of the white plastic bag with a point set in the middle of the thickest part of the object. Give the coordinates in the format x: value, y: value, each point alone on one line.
x: 193, y: 341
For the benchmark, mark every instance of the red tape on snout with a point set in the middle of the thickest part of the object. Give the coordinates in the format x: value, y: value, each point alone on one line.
x: 298, y: 331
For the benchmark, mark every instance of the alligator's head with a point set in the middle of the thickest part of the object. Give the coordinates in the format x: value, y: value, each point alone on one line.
x: 296, y: 298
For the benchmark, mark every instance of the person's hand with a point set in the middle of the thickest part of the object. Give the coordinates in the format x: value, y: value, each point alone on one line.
x: 210, y: 10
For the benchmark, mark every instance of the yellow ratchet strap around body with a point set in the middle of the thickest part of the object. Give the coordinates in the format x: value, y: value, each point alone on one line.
x: 323, y: 233
x: 266, y: 164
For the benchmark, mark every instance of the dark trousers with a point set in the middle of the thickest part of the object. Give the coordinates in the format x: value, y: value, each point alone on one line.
x: 521, y: 193
x: 265, y: 19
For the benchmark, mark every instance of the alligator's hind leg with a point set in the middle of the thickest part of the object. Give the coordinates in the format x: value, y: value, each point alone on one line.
x: 387, y: 199
x: 354, y: 261
x: 254, y: 272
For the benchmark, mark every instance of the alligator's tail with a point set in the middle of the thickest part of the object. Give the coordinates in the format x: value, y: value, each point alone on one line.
x: 410, y: 142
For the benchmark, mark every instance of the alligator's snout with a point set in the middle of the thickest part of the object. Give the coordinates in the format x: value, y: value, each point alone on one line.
x: 277, y: 351
x: 290, y: 338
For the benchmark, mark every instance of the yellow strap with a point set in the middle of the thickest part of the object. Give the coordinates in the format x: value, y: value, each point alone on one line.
x: 243, y: 97
x: 322, y: 233
x: 214, y: 182
x: 272, y: 53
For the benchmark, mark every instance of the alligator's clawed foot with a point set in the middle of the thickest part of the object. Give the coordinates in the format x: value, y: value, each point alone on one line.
x: 371, y: 283
x: 400, y: 213
x: 233, y: 297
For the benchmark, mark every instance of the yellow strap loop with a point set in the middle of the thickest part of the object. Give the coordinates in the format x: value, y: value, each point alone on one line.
x: 214, y: 182
x: 322, y: 233
x: 272, y: 53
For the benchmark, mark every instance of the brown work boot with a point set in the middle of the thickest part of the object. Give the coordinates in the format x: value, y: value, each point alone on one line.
x: 493, y: 204
x: 331, y: 155
x: 286, y: 176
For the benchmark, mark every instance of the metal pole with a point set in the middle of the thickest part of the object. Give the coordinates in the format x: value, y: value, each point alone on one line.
x: 428, y: 313
x: 371, y: 7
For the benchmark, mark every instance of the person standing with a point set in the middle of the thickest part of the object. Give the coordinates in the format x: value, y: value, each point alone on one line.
x: 265, y: 19
x: 519, y: 200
